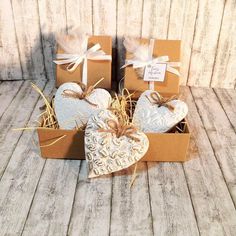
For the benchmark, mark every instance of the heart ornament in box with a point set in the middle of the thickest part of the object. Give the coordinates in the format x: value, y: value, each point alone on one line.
x: 74, y: 104
x: 111, y: 147
x: 153, y: 113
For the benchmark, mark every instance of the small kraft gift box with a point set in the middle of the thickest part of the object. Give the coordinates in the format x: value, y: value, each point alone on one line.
x: 162, y: 53
x: 170, y: 146
x: 87, y: 65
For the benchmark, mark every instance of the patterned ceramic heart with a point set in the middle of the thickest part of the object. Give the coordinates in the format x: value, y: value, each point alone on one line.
x: 105, y: 151
x: 151, y: 117
x: 72, y: 111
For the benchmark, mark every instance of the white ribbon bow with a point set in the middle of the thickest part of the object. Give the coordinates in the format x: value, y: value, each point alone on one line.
x: 163, y: 59
x: 142, y: 63
x: 74, y: 60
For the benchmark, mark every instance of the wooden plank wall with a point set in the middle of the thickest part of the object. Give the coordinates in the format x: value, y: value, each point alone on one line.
x: 207, y: 29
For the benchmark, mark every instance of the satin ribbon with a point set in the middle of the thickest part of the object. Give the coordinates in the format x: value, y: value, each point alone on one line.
x: 74, y: 60
x: 162, y: 59
x: 82, y: 96
x: 158, y: 100
x: 120, y: 130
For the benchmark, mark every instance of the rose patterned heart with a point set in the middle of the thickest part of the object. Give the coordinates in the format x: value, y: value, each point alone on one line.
x: 111, y: 146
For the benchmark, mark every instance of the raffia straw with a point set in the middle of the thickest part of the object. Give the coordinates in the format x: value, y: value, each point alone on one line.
x: 26, y: 128
x: 49, y: 111
x: 48, y: 116
x: 98, y: 82
x: 179, y: 129
x: 37, y: 122
x: 134, y: 175
x: 122, y: 107
x: 52, y: 143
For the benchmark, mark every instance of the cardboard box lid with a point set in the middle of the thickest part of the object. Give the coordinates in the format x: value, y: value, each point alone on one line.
x: 171, y: 83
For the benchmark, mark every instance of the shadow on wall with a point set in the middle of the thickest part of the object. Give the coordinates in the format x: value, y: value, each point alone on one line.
x: 39, y: 60
x: 37, y: 63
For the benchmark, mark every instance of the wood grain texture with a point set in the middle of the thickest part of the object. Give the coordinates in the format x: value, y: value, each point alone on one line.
x: 221, y: 134
x: 53, y: 200
x: 20, y: 178
x: 104, y: 23
x: 29, y: 38
x: 10, y: 66
x: 194, y: 198
x: 224, y: 66
x: 213, y: 205
x: 163, y: 173
x: 176, y: 19
x: 191, y: 9
x: 52, y: 16
x: 104, y: 18
x: 92, y: 205
x: 155, y: 21
x: 131, y: 210
x: 169, y: 191
x: 8, y: 91
x: 227, y: 99
x: 16, y: 115
x: 179, y: 10
x: 129, y: 23
x: 207, y: 29
x: 79, y: 14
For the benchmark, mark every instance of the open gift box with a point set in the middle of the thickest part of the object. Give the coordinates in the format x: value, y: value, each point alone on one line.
x: 70, y: 144
x: 170, y: 146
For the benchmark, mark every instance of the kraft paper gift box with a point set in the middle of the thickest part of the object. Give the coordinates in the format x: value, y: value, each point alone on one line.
x: 170, y: 85
x: 70, y: 145
x: 96, y: 69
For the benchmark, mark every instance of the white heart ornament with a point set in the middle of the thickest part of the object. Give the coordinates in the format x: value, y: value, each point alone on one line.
x: 150, y: 117
x: 107, y: 153
x: 72, y: 112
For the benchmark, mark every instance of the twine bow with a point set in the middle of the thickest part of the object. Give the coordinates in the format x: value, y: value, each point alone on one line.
x: 157, y: 99
x: 120, y: 130
x: 74, y: 60
x: 82, y: 96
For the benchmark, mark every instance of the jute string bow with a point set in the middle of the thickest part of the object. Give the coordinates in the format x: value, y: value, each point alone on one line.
x: 86, y: 91
x: 120, y: 130
x: 158, y: 100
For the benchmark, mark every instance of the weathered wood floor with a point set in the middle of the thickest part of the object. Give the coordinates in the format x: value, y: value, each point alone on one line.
x: 54, y: 197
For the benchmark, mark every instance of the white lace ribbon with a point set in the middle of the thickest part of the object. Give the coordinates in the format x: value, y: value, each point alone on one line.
x: 163, y: 59
x: 74, y: 60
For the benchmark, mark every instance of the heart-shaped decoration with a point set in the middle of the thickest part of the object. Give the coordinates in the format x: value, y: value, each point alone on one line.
x: 72, y: 110
x: 155, y: 114
x: 110, y: 147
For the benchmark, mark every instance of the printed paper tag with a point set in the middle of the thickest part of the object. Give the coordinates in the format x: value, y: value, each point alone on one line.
x: 155, y: 72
